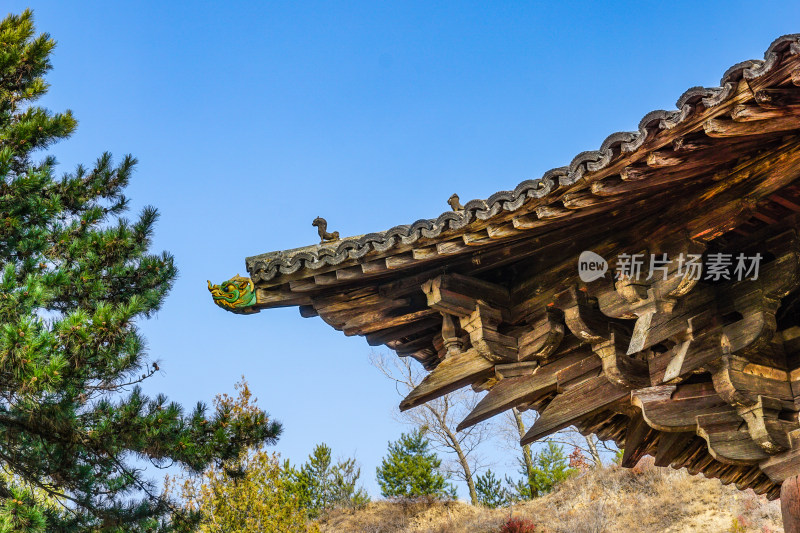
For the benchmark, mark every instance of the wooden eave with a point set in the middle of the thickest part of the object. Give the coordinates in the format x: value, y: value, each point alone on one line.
x: 634, y: 174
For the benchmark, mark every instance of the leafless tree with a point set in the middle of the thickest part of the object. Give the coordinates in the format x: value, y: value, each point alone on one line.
x: 440, y: 418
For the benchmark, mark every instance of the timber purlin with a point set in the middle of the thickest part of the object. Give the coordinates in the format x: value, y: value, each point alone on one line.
x: 701, y: 374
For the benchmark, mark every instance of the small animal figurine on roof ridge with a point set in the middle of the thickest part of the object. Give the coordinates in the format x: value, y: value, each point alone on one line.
x: 322, y: 227
x: 454, y: 202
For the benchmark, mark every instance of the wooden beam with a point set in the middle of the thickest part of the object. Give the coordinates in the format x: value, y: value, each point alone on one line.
x: 421, y: 254
x: 389, y: 334
x: 501, y: 231
x: 676, y: 408
x: 776, y: 98
x: 670, y: 446
x: 566, y: 408
x: 303, y: 285
x: 457, y: 295
x: 535, y: 383
x: 328, y: 278
x: 728, y: 441
x: 451, y: 374
x: 638, y: 438
x: 280, y: 298
x: 661, y: 159
x: 363, y: 325
x: 451, y: 247
x: 581, y: 200
x: 691, y: 144
x: 414, y: 346
x: 716, y: 127
x: 730, y: 200
x: 634, y: 173
x: 508, y: 393
x: 785, y: 202
x: 400, y: 260
x: 523, y: 222
x: 550, y: 212
x: 376, y: 266
x: 476, y: 238
x: 790, y: 505
x: 748, y: 113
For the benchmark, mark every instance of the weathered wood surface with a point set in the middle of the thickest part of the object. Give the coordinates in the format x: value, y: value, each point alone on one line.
x: 530, y: 385
x: 790, y: 504
x: 674, y: 408
x: 671, y: 445
x: 451, y: 374
x: 590, y: 395
x: 638, y: 438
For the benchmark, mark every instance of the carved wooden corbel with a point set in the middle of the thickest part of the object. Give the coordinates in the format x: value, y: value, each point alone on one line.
x: 675, y: 408
x: 606, y: 336
x: 457, y: 295
x: 480, y: 307
x: 543, y: 336
x: 582, y: 316
x: 786, y: 464
x: 698, y: 344
x: 758, y: 394
x: 618, y: 366
x: 481, y: 325
x: 727, y: 441
x: 766, y: 429
x: 652, y: 300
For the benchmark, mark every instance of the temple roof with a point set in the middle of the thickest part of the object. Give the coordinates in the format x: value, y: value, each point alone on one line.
x: 568, y: 187
x: 700, y: 373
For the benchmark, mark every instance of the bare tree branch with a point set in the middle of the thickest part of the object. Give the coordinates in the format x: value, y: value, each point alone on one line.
x: 440, y: 418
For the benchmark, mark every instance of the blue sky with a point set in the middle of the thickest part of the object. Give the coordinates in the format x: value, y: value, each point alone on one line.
x: 251, y: 118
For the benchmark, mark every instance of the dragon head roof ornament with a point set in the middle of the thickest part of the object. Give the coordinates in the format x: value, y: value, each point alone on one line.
x: 237, y: 294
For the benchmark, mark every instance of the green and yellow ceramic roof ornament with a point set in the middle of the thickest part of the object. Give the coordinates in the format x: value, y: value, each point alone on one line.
x: 236, y: 295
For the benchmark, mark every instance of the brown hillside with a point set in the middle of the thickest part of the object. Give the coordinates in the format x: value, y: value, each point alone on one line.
x: 643, y: 499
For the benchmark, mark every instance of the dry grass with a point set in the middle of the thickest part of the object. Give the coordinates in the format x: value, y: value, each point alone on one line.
x: 643, y: 499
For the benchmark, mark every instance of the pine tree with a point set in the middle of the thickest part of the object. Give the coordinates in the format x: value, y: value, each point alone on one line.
x: 490, y: 490
x: 550, y: 469
x: 346, y: 490
x: 75, y: 278
x: 411, y: 470
x: 323, y: 485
